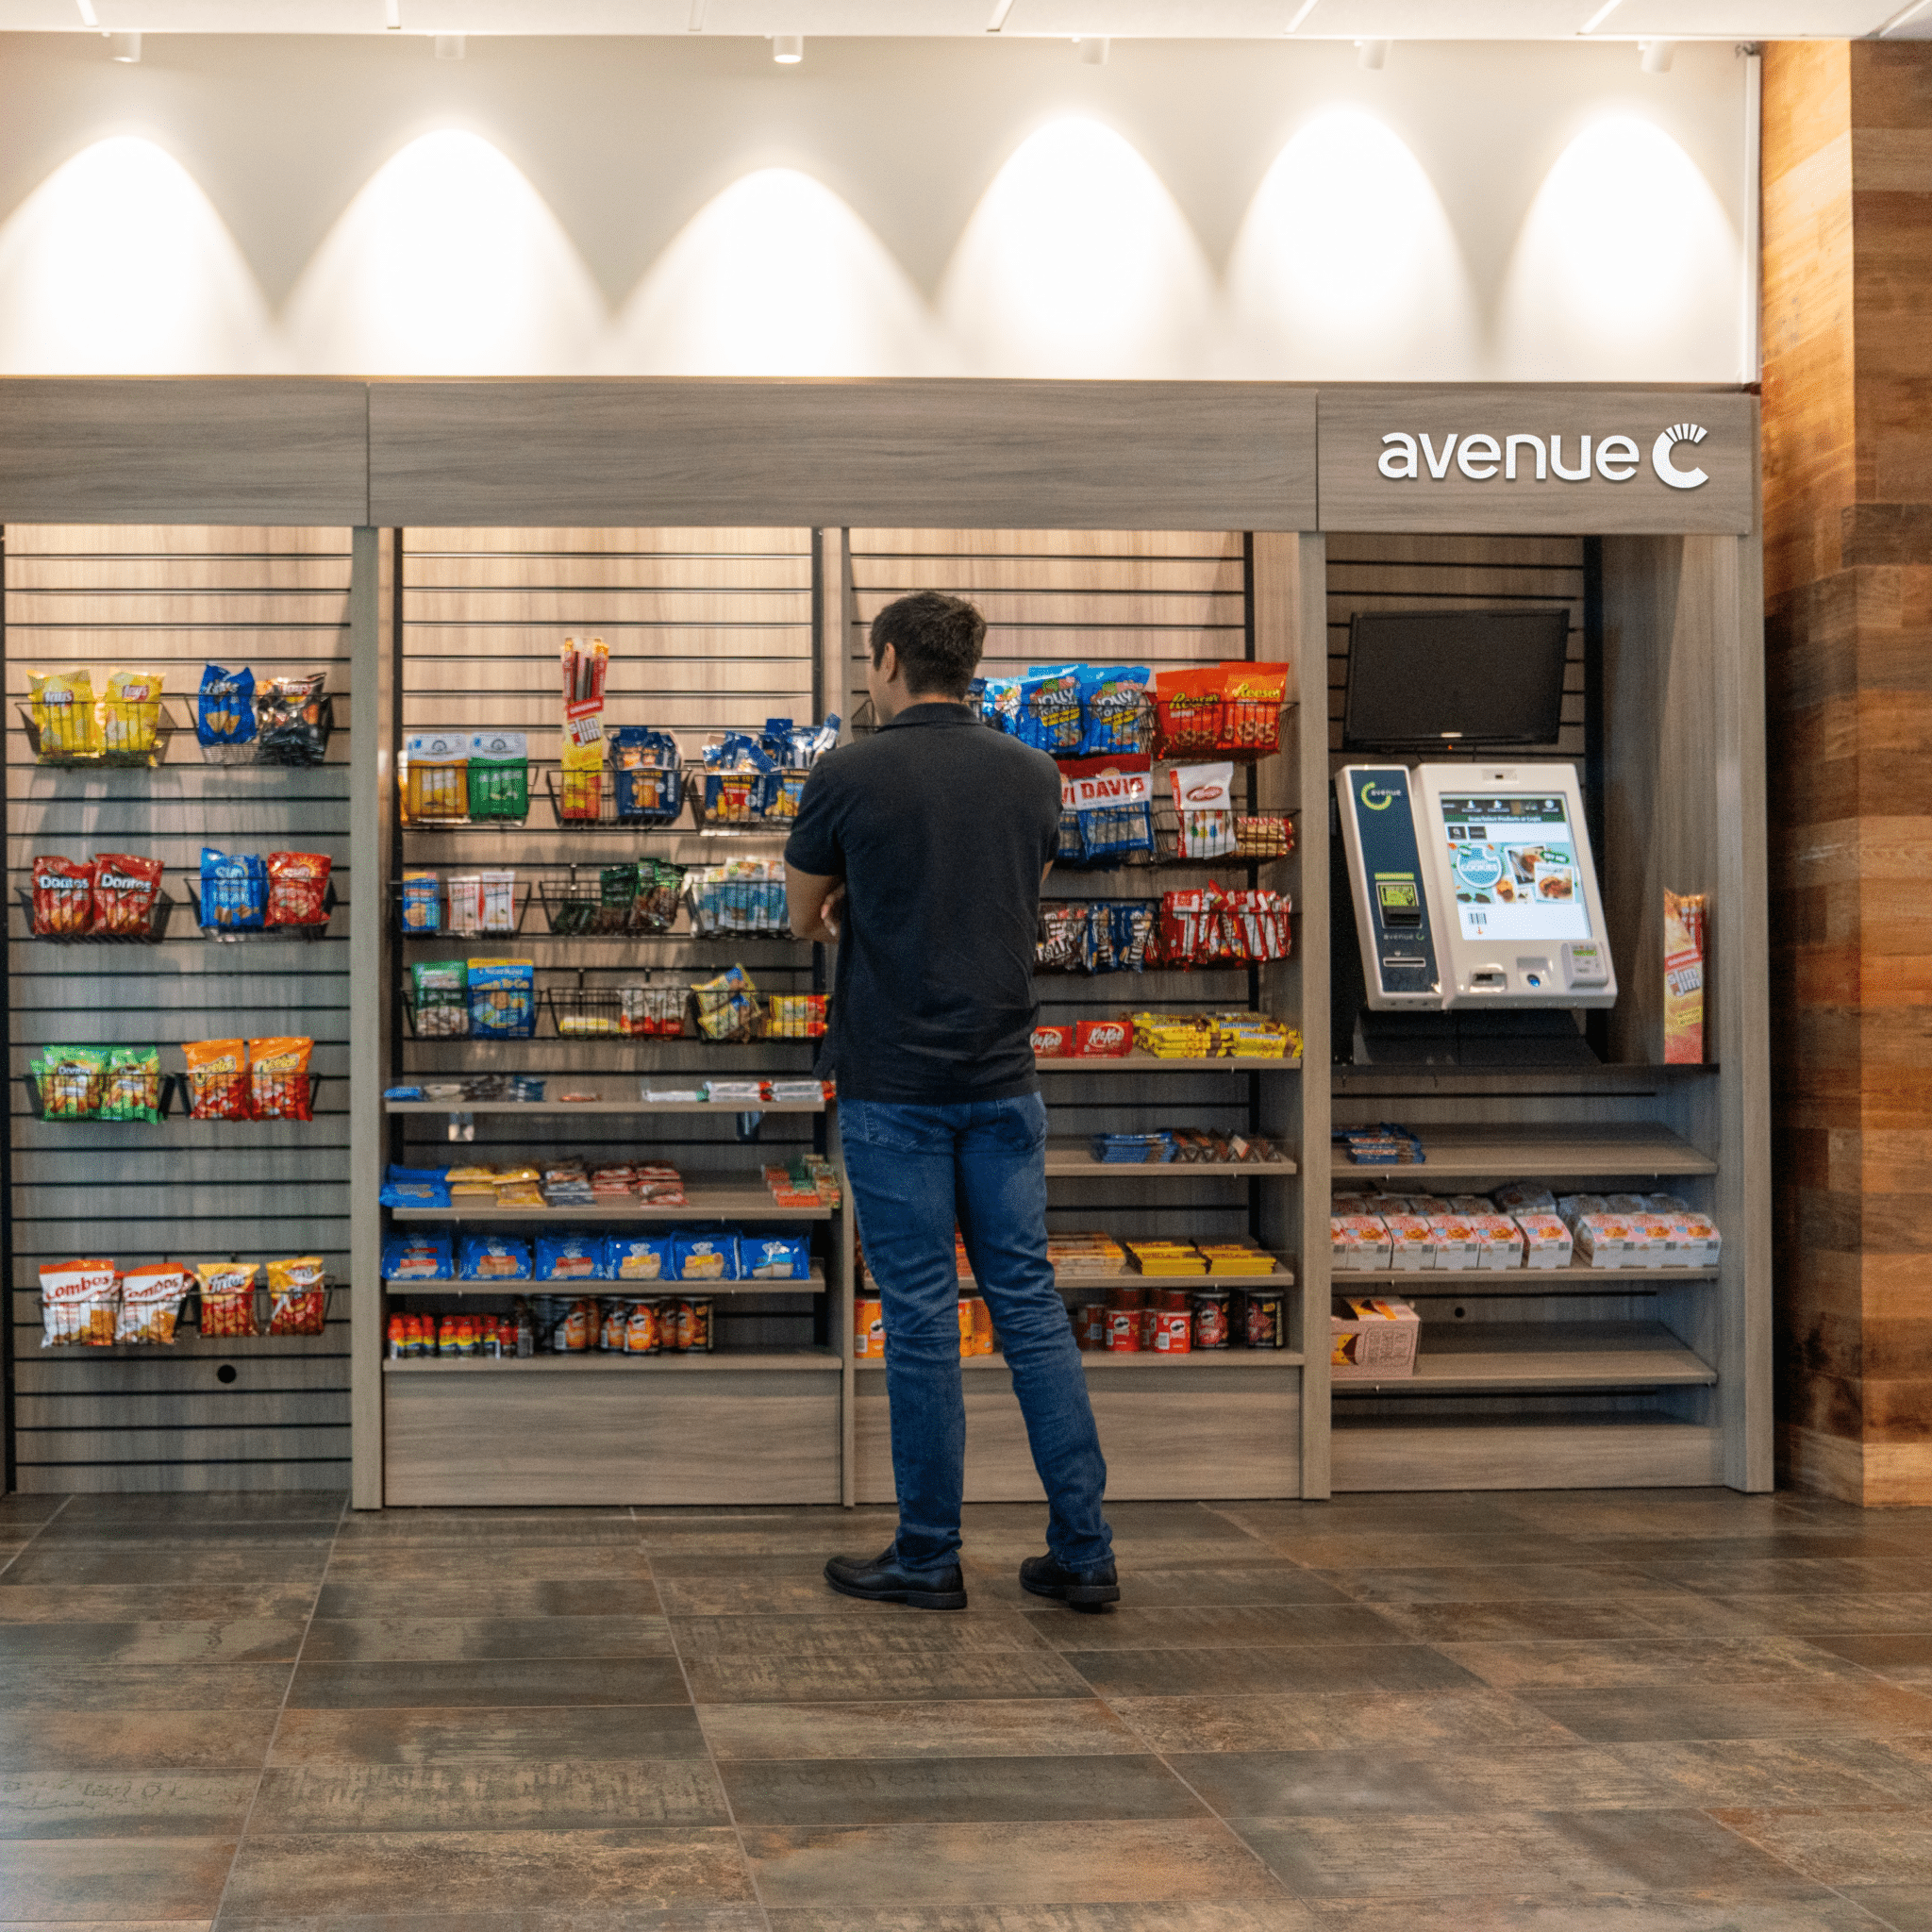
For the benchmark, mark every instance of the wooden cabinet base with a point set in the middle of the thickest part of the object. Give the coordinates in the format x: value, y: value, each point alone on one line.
x: 1531, y: 1455
x: 1178, y: 1432
x: 531, y: 1438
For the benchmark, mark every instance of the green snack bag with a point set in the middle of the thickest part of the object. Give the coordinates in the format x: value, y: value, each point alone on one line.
x: 133, y: 1086
x: 499, y: 776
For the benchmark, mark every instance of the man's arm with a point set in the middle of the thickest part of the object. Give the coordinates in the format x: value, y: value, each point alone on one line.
x: 815, y: 905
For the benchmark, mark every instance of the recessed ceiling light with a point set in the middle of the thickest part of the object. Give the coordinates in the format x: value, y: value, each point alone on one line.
x: 124, y: 47
x: 788, y: 50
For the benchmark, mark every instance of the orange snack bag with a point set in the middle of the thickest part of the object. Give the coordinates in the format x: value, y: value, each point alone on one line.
x: 217, y: 1079
x: 279, y: 1079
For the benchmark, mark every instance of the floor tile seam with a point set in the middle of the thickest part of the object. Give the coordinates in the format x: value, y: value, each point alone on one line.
x: 1711, y: 1815
x: 723, y: 1789
x: 268, y: 1750
x: 39, y: 1530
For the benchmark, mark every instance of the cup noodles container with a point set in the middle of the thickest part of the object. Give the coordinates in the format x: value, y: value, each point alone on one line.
x: 1547, y: 1242
x: 1699, y: 1243
x: 1101, y: 1039
x: 1359, y: 1244
x: 1499, y: 1241
x: 1371, y: 1340
x: 1411, y: 1245
x: 1603, y: 1240
x: 1455, y: 1237
x: 1053, y: 1043
x: 1654, y: 1241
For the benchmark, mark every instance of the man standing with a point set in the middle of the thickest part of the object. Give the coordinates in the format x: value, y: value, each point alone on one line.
x: 922, y: 851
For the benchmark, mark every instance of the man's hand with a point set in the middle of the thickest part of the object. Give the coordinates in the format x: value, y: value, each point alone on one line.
x: 832, y: 913
x: 815, y: 905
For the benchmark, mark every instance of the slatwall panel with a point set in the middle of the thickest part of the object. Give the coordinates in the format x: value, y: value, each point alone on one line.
x: 708, y: 630
x: 1159, y: 598
x: 173, y: 599
x: 1403, y: 573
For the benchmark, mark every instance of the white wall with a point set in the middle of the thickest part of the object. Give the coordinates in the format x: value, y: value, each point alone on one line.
x: 1258, y: 210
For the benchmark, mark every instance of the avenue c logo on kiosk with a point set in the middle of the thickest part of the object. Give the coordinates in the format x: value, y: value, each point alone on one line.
x: 1375, y: 796
x: 1616, y: 458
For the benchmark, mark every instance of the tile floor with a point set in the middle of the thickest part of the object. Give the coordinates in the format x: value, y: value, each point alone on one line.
x: 1671, y: 1712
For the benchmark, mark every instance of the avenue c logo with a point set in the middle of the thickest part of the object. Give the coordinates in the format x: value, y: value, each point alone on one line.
x: 1376, y: 797
x: 1407, y: 458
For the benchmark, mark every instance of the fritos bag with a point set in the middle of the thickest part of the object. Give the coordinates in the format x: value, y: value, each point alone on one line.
x: 227, y: 1297
x: 125, y: 891
x: 151, y: 1299
x: 298, y: 1296
x: 279, y: 1079
x: 298, y: 887
x: 217, y: 1079
x: 63, y: 898
x: 78, y: 1303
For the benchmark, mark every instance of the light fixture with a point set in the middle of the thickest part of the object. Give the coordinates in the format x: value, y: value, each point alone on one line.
x: 696, y: 24
x: 1301, y: 13
x: 87, y: 16
x: 1000, y: 9
x: 124, y: 47
x: 1372, y: 54
x: 1092, y: 49
x: 1602, y: 14
x: 1656, y: 55
x: 449, y: 46
x: 1903, y: 17
x: 788, y: 50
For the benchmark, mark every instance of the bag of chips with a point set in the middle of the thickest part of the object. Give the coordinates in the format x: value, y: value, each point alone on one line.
x: 130, y: 715
x: 1049, y: 715
x: 279, y: 1079
x: 227, y: 1297
x: 1112, y: 709
x: 133, y: 1090
x: 298, y: 888
x: 73, y: 1081
x: 503, y: 998
x: 63, y: 898
x: 297, y: 1296
x: 64, y: 709
x: 233, y: 891
x: 224, y: 716
x: 151, y: 1298
x: 293, y: 720
x: 217, y: 1079
x: 79, y: 1302
x: 125, y: 891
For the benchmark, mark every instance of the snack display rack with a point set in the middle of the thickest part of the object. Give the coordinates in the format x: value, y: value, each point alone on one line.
x: 157, y: 925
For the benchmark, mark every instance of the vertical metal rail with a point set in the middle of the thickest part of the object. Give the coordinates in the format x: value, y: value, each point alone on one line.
x: 7, y: 1419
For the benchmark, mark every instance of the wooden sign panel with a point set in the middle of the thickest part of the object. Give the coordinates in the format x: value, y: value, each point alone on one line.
x: 253, y: 450
x: 940, y: 453
x: 1538, y: 460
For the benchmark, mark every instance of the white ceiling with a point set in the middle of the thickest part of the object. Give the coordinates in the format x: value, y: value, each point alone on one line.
x: 1406, y: 20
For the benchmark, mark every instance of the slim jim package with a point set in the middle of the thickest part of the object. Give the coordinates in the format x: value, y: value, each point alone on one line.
x: 1683, y: 922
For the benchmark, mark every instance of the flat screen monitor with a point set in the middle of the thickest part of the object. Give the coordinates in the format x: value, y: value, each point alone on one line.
x: 1443, y: 681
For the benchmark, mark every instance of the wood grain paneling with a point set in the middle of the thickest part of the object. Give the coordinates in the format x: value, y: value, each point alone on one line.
x: 214, y: 450
x: 1073, y: 455
x: 1848, y: 567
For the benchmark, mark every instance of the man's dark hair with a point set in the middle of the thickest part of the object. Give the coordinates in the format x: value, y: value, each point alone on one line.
x: 939, y: 640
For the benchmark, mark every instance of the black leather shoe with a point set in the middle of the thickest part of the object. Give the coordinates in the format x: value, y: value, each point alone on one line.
x: 881, y: 1580
x: 1081, y: 1589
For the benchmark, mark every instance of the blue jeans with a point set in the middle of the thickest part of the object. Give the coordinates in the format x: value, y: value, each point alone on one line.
x: 914, y: 1171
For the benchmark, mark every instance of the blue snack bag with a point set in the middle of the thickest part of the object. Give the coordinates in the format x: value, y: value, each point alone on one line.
x: 1049, y: 716
x: 704, y: 1256
x: 1113, y: 713
x: 225, y: 714
x: 494, y: 1258
x: 416, y: 1257
x: 416, y: 1186
x: 784, y: 1257
x: 503, y: 999
x: 570, y: 1258
x: 638, y: 1257
x: 234, y: 891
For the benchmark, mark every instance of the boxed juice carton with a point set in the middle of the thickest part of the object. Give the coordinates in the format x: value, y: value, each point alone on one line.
x: 1359, y: 1244
x: 1499, y: 1241
x: 1371, y: 1339
x: 1547, y: 1241
x: 1411, y: 1241
x: 1603, y: 1240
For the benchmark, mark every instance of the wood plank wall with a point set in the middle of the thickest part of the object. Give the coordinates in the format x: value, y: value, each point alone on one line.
x: 708, y: 630
x: 172, y: 599
x: 1848, y: 592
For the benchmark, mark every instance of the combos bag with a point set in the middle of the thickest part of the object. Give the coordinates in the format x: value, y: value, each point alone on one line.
x: 217, y: 1079
x: 125, y: 891
x: 279, y: 1079
x: 151, y: 1299
x: 79, y: 1302
x: 298, y: 888
x: 297, y: 1296
x: 650, y: 785
x: 63, y: 898
x: 233, y: 891
x: 227, y: 1297
x: 224, y: 716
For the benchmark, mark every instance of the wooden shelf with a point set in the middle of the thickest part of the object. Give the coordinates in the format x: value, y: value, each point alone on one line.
x: 603, y: 1104
x: 1067, y: 1158
x: 647, y: 1290
x: 701, y: 1203
x: 1578, y: 1278
x: 1106, y: 1359
x: 813, y: 1360
x: 1151, y: 1063
x: 1455, y: 1153
x: 1497, y: 1357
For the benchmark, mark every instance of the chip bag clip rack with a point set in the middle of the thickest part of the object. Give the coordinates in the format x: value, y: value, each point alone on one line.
x: 127, y: 726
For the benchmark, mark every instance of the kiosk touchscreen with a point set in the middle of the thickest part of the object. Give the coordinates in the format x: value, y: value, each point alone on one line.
x: 1510, y: 913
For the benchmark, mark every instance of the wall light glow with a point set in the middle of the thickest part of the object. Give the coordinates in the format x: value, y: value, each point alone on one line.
x: 1077, y: 262
x: 776, y: 277
x: 117, y: 264
x: 1625, y: 254
x: 1347, y: 266
x: 447, y: 263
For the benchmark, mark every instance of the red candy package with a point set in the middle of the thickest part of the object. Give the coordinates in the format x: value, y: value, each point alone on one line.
x: 1107, y: 1039
x: 1052, y: 1043
x: 63, y: 898
x: 125, y: 891
x: 298, y: 888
